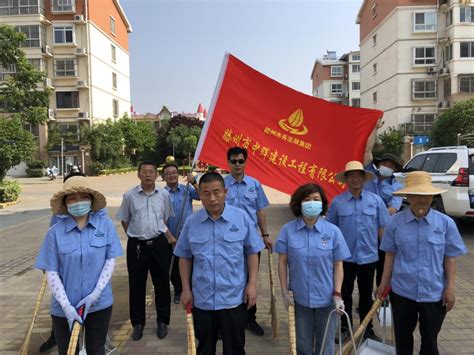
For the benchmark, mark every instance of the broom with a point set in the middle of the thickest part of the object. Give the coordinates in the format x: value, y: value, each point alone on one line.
x: 190, y: 330
x: 76, y: 329
x: 347, y: 348
x: 291, y: 327
x: 26, y: 342
x: 273, y: 309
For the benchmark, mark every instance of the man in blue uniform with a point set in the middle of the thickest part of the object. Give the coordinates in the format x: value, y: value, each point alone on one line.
x: 361, y: 216
x: 421, y: 245
x: 182, y: 197
x: 220, y: 245
x: 247, y: 194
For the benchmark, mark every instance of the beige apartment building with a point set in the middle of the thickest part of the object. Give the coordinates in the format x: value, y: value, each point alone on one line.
x: 82, y: 46
x: 337, y: 79
x: 417, y: 59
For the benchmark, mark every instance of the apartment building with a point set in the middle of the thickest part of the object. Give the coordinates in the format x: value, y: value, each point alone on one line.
x: 417, y: 59
x: 337, y: 79
x: 82, y: 46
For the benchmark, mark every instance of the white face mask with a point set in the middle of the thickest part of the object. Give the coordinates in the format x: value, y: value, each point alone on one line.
x: 385, y: 171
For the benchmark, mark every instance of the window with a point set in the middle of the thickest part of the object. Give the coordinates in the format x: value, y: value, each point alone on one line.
x: 20, y: 7
x: 112, y: 25
x: 416, y: 163
x: 69, y: 130
x: 115, y: 107
x: 114, y: 81
x: 449, y: 18
x: 467, y: 49
x: 63, y: 35
x: 445, y: 162
x: 63, y: 5
x: 424, y: 55
x: 374, y: 40
x: 336, y: 71
x: 113, y: 53
x: 355, y: 103
x: 36, y: 63
x: 65, y: 67
x: 336, y: 88
x: 422, y: 122
x: 32, y: 33
x: 447, y: 88
x: 430, y: 162
x: 7, y: 72
x: 423, y: 89
x: 374, y: 96
x: 32, y: 128
x: 466, y: 83
x: 448, y: 53
x: 67, y: 99
x: 466, y: 14
x: 355, y: 68
x: 374, y: 10
x: 374, y: 68
x: 356, y: 85
x: 424, y: 21
x: 356, y: 57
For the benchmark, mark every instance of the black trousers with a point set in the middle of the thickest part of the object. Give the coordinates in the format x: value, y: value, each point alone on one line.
x: 252, y: 311
x: 142, y: 258
x: 406, y: 313
x: 230, y: 323
x: 379, y: 269
x: 365, y: 282
x: 96, y: 325
x: 175, y: 276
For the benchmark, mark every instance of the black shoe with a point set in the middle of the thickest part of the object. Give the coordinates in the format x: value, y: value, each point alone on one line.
x: 369, y: 334
x: 48, y: 344
x: 162, y: 331
x: 137, y: 332
x: 255, y: 328
x: 177, y: 298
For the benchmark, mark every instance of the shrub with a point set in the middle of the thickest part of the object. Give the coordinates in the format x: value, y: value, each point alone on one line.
x: 37, y: 164
x: 9, y: 191
x: 35, y: 172
x: 95, y: 168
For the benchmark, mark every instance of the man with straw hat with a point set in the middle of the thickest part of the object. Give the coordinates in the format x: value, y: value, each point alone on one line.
x: 421, y: 245
x: 361, y: 216
x: 78, y: 256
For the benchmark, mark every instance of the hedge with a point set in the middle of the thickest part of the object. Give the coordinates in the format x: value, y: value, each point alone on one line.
x: 9, y: 191
x: 35, y: 172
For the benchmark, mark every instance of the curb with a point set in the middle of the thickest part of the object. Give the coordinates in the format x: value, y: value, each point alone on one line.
x: 4, y: 205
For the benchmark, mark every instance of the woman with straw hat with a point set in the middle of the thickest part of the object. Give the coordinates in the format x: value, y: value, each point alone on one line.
x: 421, y: 245
x: 78, y: 256
x: 312, y: 250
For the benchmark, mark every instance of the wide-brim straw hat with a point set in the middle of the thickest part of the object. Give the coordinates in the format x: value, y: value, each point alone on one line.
x: 352, y: 166
x: 71, y: 186
x: 393, y: 158
x: 418, y: 183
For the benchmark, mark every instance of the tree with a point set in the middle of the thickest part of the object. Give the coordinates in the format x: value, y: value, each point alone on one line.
x: 16, y: 144
x: 107, y: 145
x: 457, y: 120
x: 391, y: 142
x: 139, y: 137
x: 20, y: 94
x: 184, y: 138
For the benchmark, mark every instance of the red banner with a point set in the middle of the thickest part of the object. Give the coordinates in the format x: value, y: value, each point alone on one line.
x: 291, y: 138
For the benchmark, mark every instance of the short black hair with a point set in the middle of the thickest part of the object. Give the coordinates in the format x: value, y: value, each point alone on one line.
x: 236, y: 151
x: 304, y: 191
x: 71, y: 174
x: 211, y: 177
x: 147, y: 162
x: 168, y: 166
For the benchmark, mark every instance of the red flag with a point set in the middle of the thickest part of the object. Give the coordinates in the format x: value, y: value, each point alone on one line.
x: 291, y: 138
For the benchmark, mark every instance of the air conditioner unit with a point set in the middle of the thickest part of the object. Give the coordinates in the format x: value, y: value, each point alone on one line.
x: 443, y: 104
x: 79, y: 18
x: 51, y: 114
x: 48, y: 83
x: 82, y: 83
x: 340, y: 95
x: 84, y: 115
x: 81, y: 51
x: 444, y: 71
x: 46, y: 50
x: 431, y: 70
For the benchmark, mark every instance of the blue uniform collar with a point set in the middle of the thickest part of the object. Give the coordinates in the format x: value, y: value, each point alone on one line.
x: 169, y: 189
x: 350, y: 196
x: 225, y: 215
x: 429, y: 218
x: 233, y: 180
x: 300, y: 224
x: 71, y: 222
x: 140, y: 188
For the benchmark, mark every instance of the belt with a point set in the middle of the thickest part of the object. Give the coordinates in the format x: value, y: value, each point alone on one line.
x: 148, y: 242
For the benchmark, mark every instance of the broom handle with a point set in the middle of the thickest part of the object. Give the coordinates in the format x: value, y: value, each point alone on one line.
x: 26, y: 342
x: 190, y: 328
x: 76, y: 329
x: 291, y: 327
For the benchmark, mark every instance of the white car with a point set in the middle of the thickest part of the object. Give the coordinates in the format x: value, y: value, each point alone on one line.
x: 452, y: 169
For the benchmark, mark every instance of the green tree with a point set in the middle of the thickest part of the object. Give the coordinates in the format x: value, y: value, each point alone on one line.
x: 20, y: 95
x: 457, y: 120
x: 16, y: 144
x: 107, y: 145
x: 391, y: 141
x: 139, y: 137
x: 185, y: 139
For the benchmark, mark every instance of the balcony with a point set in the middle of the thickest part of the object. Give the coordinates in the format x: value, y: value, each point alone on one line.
x: 413, y: 129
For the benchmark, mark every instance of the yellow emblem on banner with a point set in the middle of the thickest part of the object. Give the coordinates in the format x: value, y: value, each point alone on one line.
x: 294, y: 123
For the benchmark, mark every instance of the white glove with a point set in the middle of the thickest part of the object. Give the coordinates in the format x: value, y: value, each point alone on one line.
x: 339, y: 303
x: 89, y: 301
x: 287, y: 300
x: 71, y: 315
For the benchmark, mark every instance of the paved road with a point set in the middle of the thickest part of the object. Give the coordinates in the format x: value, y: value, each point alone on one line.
x: 23, y: 226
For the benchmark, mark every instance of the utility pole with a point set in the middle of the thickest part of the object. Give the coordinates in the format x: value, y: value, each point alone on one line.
x: 62, y: 156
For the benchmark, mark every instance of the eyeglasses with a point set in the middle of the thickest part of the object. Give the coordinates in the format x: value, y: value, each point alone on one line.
x: 171, y: 174
x: 235, y: 161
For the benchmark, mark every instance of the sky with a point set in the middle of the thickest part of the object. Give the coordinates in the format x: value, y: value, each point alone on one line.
x: 177, y: 46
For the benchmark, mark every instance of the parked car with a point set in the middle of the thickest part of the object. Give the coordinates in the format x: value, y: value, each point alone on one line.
x: 452, y: 169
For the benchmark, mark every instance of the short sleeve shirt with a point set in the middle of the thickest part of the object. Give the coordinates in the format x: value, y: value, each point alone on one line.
x: 384, y: 188
x: 177, y: 197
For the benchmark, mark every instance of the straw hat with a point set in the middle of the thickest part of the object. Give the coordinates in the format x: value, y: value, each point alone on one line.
x: 351, y: 166
x: 418, y: 183
x: 73, y: 185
